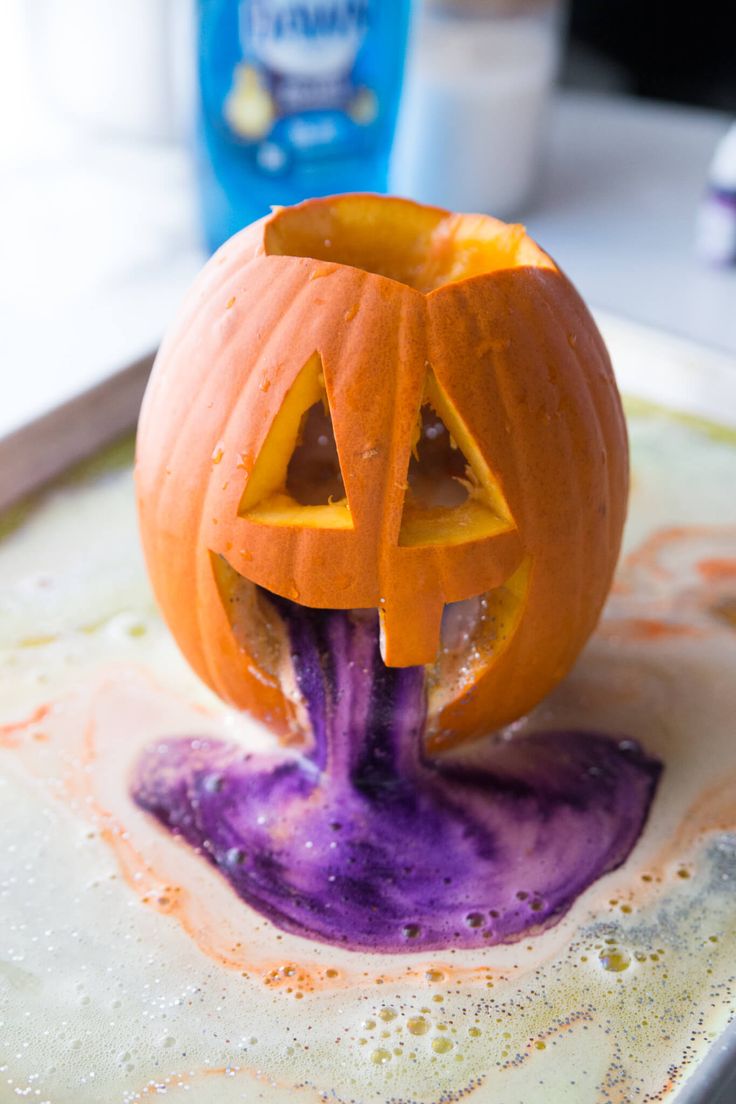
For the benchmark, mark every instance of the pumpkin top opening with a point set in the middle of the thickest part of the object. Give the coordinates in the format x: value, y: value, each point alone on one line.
x: 422, y: 247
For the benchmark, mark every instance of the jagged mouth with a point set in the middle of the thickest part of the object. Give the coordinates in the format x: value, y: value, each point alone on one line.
x: 473, y: 635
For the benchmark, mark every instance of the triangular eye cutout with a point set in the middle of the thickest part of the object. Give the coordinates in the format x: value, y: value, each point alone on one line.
x: 296, y: 479
x: 451, y: 494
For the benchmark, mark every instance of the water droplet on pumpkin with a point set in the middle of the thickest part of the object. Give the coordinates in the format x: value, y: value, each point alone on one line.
x: 218, y: 452
x: 350, y: 313
x: 230, y: 303
x: 294, y: 591
x: 264, y: 384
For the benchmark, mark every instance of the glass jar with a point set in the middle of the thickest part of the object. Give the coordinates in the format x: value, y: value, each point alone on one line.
x: 478, y: 83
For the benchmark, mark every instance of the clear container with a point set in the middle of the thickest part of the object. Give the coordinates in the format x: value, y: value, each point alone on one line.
x: 478, y: 83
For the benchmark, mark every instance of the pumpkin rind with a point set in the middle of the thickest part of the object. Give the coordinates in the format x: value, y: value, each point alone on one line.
x: 517, y: 355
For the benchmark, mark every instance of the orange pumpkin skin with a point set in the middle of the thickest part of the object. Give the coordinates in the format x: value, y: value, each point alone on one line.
x: 516, y: 356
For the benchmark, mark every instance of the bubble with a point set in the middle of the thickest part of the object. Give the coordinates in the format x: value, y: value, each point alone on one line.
x: 615, y: 960
x: 442, y: 1045
x: 417, y: 1025
x: 380, y: 1056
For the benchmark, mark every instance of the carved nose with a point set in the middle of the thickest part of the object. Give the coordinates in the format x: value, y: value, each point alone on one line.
x: 411, y: 639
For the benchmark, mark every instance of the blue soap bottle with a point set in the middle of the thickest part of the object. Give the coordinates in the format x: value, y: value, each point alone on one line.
x: 297, y: 98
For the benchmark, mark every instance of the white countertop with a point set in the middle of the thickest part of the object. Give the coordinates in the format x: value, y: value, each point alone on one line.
x: 99, y: 242
x: 616, y: 208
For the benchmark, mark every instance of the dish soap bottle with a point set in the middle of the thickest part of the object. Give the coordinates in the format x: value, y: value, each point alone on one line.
x: 297, y: 98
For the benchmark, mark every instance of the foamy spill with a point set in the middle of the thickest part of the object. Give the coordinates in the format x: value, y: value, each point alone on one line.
x: 130, y: 970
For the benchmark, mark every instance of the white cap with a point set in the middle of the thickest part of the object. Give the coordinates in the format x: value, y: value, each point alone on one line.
x: 723, y: 168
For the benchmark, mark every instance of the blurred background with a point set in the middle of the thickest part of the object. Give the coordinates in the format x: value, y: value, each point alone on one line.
x: 137, y: 135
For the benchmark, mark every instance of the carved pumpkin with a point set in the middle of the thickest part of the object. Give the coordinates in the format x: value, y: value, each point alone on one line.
x: 370, y: 403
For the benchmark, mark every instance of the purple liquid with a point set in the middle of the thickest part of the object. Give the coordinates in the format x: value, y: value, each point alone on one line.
x: 363, y: 841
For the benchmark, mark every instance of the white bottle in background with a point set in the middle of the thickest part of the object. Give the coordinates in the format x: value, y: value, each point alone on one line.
x: 117, y: 68
x: 715, y: 232
x: 477, y: 86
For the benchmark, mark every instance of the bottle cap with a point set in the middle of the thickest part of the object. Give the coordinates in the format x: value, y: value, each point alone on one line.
x: 722, y: 173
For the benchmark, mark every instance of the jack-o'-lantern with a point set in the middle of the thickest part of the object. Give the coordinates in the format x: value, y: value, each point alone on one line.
x: 367, y: 403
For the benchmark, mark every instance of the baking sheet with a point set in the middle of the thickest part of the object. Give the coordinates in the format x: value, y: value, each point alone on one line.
x: 649, y: 365
x: 46, y: 447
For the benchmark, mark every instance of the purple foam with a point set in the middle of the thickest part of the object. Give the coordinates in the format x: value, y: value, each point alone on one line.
x: 363, y: 841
